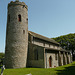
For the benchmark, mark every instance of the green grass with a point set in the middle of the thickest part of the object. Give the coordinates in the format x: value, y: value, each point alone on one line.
x: 62, y: 70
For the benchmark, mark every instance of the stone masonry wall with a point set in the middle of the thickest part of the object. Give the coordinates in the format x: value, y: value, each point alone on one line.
x: 32, y: 61
x: 45, y: 44
x: 16, y: 36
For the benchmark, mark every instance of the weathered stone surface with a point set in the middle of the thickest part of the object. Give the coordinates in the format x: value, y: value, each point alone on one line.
x: 16, y: 36
x: 46, y: 50
x: 32, y: 60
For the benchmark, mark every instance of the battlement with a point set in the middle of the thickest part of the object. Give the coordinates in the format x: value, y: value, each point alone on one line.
x: 17, y: 3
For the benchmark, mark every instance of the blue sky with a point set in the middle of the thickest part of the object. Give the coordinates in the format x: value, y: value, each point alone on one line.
x: 50, y: 18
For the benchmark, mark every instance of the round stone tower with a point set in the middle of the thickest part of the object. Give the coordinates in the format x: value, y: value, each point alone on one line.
x: 16, y: 35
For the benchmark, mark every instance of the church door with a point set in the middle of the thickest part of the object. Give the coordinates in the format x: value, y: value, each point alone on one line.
x: 50, y: 61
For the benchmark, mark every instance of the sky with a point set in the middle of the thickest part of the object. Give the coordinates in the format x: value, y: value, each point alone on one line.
x: 50, y: 18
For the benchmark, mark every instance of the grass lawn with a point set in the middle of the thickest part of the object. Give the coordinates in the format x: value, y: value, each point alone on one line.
x: 62, y: 70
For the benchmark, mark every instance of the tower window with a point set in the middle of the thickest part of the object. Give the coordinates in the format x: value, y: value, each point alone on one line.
x: 9, y: 18
x: 19, y: 18
x: 23, y: 6
x: 23, y: 31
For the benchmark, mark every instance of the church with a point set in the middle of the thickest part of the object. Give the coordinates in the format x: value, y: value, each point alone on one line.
x: 26, y: 48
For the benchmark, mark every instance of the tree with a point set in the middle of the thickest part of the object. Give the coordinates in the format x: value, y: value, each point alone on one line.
x: 67, y: 41
x: 1, y: 58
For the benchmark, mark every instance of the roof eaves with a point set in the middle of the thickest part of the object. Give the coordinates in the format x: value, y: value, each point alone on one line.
x: 43, y: 37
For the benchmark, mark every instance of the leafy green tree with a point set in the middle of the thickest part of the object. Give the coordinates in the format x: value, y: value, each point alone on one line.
x: 67, y: 41
x: 1, y: 58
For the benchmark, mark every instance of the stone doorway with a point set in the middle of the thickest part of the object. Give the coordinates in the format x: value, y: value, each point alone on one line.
x: 50, y: 61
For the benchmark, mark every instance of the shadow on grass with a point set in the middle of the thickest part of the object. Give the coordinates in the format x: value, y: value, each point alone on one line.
x: 67, y: 71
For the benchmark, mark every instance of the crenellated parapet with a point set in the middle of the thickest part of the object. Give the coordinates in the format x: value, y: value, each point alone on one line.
x: 17, y: 3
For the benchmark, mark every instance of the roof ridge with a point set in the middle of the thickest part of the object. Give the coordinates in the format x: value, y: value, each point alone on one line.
x: 43, y: 37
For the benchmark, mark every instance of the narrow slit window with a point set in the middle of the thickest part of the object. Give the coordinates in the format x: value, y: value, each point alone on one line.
x: 19, y: 18
x: 23, y: 31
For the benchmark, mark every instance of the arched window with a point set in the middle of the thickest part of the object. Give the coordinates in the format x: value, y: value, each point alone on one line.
x: 19, y: 18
